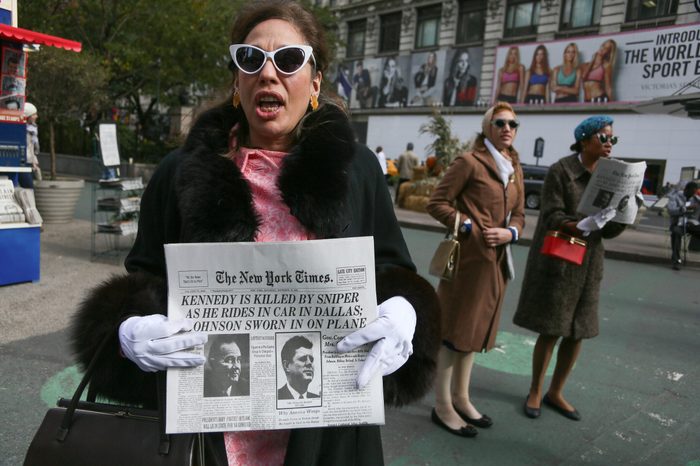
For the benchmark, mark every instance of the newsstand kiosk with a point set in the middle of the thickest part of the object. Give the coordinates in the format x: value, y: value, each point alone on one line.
x: 19, y: 242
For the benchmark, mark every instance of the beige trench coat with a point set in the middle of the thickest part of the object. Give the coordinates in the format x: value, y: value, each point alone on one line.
x: 471, y: 304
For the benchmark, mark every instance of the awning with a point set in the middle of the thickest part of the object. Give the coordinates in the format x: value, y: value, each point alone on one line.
x: 685, y: 106
x: 31, y: 37
x: 685, y: 102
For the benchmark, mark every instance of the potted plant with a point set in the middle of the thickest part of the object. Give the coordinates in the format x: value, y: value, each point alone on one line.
x: 445, y: 147
x: 62, y: 86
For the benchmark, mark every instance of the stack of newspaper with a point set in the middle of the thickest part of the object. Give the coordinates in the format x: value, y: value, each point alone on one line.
x: 10, y: 210
x: 119, y: 227
x: 121, y: 205
x: 125, y: 184
x: 25, y: 197
x: 17, y: 204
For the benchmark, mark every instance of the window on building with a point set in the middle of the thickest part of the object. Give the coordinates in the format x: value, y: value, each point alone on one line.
x: 356, y: 38
x: 428, y: 26
x: 389, y: 32
x: 522, y: 17
x: 650, y: 9
x: 580, y: 13
x: 472, y: 20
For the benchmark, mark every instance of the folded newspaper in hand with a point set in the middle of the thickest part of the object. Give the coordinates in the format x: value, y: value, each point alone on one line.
x: 614, y: 183
x: 274, y: 313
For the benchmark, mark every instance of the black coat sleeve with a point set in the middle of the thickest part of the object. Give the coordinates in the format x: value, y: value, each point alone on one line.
x: 142, y: 291
x: 373, y: 215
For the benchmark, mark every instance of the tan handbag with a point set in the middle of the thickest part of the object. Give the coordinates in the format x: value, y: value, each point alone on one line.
x: 446, y: 258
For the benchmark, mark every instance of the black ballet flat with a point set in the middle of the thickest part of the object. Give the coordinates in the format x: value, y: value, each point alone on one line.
x: 483, y: 422
x: 468, y: 431
x: 532, y: 413
x: 573, y: 415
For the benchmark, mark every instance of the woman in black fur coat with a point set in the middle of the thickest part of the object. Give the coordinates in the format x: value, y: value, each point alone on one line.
x: 319, y: 184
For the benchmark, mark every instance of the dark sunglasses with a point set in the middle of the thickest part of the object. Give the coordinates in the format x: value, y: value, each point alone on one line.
x: 288, y: 60
x: 513, y: 124
x: 604, y: 138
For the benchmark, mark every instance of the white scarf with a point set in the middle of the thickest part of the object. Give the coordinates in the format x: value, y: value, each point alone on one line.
x: 505, y: 170
x: 505, y: 166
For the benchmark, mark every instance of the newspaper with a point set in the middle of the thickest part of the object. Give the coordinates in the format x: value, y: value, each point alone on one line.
x: 125, y: 184
x: 10, y: 210
x: 614, y: 183
x: 274, y: 313
x: 120, y: 204
x: 25, y: 197
x: 119, y: 227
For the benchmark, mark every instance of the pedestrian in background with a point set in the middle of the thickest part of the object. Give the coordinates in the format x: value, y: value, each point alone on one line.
x: 381, y: 158
x: 407, y: 161
x: 559, y: 299
x: 484, y: 190
x: 26, y: 180
x: 684, y: 209
x: 277, y: 161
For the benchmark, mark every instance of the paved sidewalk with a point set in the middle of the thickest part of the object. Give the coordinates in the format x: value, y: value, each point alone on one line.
x: 636, y: 244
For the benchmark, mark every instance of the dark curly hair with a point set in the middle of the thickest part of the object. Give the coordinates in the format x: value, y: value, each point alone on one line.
x: 254, y: 13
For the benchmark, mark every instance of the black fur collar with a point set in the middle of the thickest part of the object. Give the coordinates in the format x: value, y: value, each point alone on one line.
x: 215, y: 201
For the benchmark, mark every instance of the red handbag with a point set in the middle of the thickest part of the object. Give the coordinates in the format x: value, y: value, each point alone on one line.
x: 565, y: 247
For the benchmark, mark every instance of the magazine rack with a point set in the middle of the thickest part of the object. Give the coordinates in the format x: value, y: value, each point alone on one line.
x: 115, y: 214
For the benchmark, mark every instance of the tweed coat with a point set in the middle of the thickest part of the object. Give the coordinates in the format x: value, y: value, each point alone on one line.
x: 471, y: 303
x: 335, y: 188
x: 559, y: 298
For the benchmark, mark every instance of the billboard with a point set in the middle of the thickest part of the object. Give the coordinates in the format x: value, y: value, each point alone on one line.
x: 447, y: 77
x: 623, y: 67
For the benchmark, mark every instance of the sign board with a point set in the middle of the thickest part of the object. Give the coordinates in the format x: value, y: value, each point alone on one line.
x: 108, y: 145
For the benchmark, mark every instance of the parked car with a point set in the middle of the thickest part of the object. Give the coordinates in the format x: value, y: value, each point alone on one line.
x: 534, y: 179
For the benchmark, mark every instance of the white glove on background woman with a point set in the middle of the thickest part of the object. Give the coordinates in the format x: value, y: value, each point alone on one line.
x: 393, y: 332
x: 155, y: 342
x: 597, y: 221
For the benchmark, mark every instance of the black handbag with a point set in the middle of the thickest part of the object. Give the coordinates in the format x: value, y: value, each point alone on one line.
x: 86, y: 433
x: 445, y: 261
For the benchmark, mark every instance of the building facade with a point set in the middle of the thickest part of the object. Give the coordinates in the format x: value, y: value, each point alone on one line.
x: 557, y: 61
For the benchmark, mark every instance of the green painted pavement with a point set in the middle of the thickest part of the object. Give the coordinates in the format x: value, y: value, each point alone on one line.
x: 61, y: 385
x: 512, y: 355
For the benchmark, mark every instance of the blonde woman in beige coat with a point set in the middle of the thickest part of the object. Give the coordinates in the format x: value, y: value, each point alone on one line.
x: 484, y: 187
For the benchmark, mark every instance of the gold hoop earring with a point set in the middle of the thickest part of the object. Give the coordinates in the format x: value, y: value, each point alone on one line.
x: 314, y: 102
x: 236, y: 101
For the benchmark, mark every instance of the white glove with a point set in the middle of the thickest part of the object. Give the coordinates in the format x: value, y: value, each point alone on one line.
x: 155, y: 342
x: 597, y: 221
x: 393, y: 331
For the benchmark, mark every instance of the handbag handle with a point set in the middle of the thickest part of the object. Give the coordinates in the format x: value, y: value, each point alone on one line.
x: 68, y: 417
x: 453, y: 233
x: 64, y: 429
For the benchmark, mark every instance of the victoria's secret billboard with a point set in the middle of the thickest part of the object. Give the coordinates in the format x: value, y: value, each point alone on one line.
x: 624, y: 67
